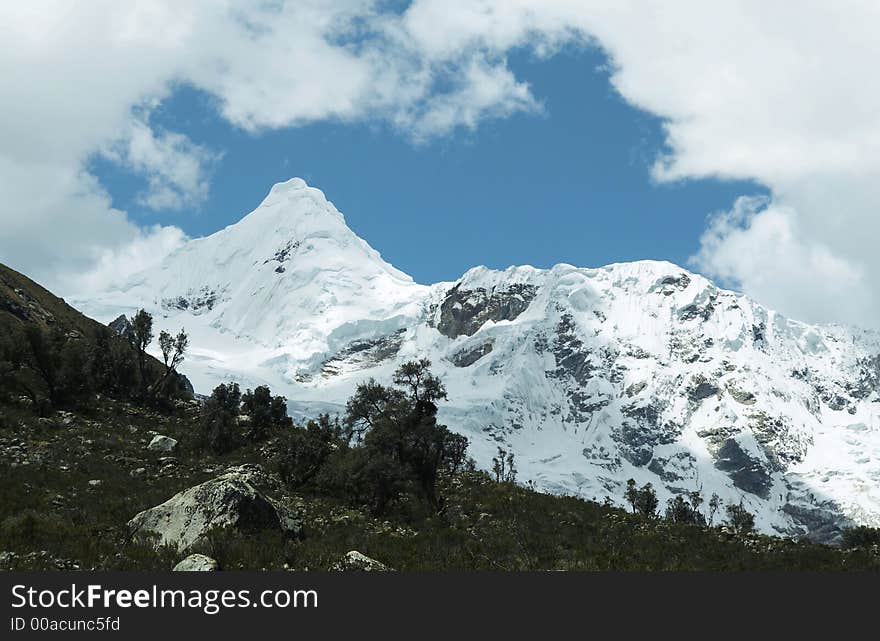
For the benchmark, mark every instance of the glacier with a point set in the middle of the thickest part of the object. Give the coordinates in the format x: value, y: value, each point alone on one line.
x: 591, y: 376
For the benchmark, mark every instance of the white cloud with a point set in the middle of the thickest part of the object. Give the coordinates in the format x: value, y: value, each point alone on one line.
x: 481, y: 90
x: 113, y: 265
x: 782, y: 93
x: 176, y: 169
x: 759, y: 245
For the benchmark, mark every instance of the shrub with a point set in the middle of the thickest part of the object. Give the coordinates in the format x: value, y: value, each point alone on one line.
x: 219, y: 422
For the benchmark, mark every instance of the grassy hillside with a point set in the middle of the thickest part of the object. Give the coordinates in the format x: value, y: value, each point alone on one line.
x: 22, y: 301
x: 69, y: 484
x: 59, y: 358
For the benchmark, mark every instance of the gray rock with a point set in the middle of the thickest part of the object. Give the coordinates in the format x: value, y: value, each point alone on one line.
x: 236, y: 499
x: 122, y: 326
x: 162, y: 444
x: 701, y: 389
x: 635, y: 389
x: 747, y: 472
x: 197, y: 563
x: 464, y: 311
x: 470, y: 355
x: 354, y: 561
x: 361, y: 354
x: 741, y: 396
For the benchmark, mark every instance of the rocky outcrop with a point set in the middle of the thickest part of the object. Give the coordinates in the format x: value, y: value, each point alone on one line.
x: 747, y: 472
x: 363, y: 354
x: 354, y: 561
x: 470, y: 355
x: 162, y: 443
x: 237, y: 499
x: 196, y: 301
x: 464, y: 311
x: 197, y: 563
x: 122, y: 326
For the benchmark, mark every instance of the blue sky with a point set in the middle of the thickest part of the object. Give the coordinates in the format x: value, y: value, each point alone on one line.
x: 455, y: 132
x: 571, y: 184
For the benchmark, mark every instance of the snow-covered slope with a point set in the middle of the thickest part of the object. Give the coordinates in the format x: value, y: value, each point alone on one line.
x: 591, y: 376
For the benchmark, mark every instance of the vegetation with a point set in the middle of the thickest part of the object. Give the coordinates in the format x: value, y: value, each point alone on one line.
x: 79, y: 403
x: 861, y: 537
x: 504, y: 467
x: 48, y: 504
x: 59, y: 359
x: 642, y: 500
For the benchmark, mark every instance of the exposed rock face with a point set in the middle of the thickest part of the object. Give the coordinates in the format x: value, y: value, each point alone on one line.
x: 354, y: 561
x: 162, y: 443
x: 122, y: 326
x: 748, y: 473
x: 464, y: 311
x: 363, y: 354
x: 186, y: 384
x: 195, y: 301
x: 197, y: 563
x: 470, y: 355
x: 236, y: 499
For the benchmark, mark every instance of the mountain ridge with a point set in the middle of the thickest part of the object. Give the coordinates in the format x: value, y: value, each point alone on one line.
x: 590, y: 375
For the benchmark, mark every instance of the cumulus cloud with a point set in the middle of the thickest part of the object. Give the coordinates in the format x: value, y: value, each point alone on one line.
x: 781, y: 93
x: 176, y: 169
x: 759, y: 244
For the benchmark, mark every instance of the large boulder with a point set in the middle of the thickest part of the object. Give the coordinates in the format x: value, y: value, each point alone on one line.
x: 236, y: 499
x: 197, y: 563
x: 354, y: 561
x: 162, y: 444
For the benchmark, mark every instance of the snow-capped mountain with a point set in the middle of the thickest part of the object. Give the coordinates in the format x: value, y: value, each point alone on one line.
x: 590, y: 376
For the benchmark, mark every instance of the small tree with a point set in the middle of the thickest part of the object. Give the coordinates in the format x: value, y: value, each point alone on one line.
x: 714, y: 505
x: 696, y: 499
x: 399, y: 434
x: 173, y: 350
x: 304, y: 451
x: 647, y: 502
x: 142, y: 336
x: 643, y: 500
x: 265, y: 412
x: 632, y: 494
x: 741, y: 520
x: 219, y: 426
x: 44, y: 358
x: 503, y: 466
x: 680, y: 510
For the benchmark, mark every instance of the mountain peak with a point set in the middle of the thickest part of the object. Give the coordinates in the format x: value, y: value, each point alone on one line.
x: 292, y: 204
x: 592, y: 376
x: 292, y: 184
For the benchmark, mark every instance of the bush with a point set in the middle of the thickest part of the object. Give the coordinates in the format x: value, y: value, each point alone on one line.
x: 741, y: 520
x: 303, y: 452
x: 860, y: 537
x: 643, y: 500
x: 681, y: 510
x: 401, y: 439
x: 220, y: 432
x: 264, y: 412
